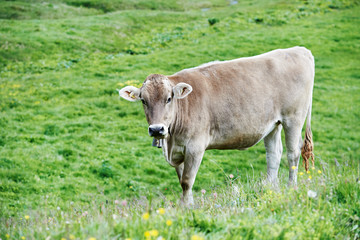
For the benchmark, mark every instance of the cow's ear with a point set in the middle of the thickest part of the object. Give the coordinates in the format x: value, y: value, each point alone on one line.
x: 130, y: 93
x: 181, y: 90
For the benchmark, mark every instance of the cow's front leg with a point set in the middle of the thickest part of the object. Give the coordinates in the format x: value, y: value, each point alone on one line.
x: 179, y: 171
x: 191, y: 166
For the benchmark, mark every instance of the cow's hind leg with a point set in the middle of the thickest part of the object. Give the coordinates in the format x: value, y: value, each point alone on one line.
x: 274, y: 150
x: 292, y: 129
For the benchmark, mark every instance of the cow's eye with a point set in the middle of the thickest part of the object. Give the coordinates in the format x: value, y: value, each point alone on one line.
x: 143, y: 102
x: 168, y: 100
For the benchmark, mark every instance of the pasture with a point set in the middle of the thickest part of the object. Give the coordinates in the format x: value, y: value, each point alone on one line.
x: 76, y: 162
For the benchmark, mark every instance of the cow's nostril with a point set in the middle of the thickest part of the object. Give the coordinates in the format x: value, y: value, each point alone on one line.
x: 151, y: 131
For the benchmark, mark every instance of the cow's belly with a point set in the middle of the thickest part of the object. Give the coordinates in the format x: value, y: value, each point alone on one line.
x: 240, y: 139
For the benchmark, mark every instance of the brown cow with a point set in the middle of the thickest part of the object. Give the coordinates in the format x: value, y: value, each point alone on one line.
x: 231, y: 105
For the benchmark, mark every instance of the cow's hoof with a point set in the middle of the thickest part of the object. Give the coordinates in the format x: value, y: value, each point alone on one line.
x: 187, y: 203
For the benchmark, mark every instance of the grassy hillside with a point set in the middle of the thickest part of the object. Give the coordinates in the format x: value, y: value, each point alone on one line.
x: 67, y: 142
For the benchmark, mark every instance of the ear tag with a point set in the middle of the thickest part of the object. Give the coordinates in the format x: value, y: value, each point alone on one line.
x: 157, y: 143
x: 132, y: 95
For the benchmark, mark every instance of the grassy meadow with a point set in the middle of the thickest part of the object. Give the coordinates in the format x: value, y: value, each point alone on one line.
x: 76, y: 162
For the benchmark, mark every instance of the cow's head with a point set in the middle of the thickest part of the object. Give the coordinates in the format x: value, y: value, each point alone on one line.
x: 158, y: 96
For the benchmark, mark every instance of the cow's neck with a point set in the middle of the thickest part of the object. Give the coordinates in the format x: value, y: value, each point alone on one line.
x: 166, y: 152
x: 172, y: 146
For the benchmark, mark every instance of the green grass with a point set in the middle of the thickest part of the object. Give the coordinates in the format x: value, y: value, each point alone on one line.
x: 67, y: 141
x: 239, y: 210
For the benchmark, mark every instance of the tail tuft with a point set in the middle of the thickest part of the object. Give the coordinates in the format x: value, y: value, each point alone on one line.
x: 307, y: 149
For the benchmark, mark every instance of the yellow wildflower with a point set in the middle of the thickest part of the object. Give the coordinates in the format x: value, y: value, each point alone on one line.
x: 27, y: 217
x: 146, y: 216
x: 23, y: 238
x: 169, y: 223
x: 72, y: 237
x: 310, y: 177
x: 131, y: 187
x: 147, y: 234
x: 308, y: 172
x: 301, y: 173
x: 128, y: 239
x: 270, y: 192
x: 293, y: 167
x: 319, y: 171
x: 196, y: 237
x: 92, y: 238
x: 7, y: 235
x: 154, y: 233
x: 313, y: 168
x: 63, y: 238
x: 161, y: 211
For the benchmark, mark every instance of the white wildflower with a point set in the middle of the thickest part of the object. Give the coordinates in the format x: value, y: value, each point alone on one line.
x: 311, y: 194
x: 236, y: 190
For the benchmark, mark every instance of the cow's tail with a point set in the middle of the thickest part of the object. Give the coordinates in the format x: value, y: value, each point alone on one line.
x: 308, y: 146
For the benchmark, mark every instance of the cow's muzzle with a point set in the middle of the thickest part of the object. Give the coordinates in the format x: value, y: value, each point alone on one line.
x: 158, y: 131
